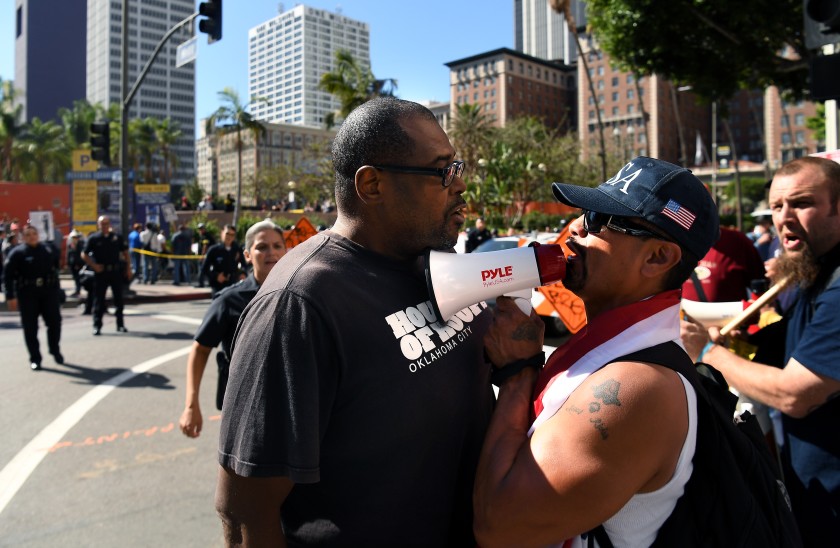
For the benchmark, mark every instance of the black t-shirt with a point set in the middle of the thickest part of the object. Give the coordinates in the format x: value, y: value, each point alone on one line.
x: 220, y: 320
x: 343, y: 380
x: 105, y: 249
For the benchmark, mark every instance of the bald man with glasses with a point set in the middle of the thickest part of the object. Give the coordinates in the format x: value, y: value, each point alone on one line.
x: 353, y: 416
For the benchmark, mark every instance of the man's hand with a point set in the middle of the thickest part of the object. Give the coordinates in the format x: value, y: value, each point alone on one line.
x: 513, y: 335
x: 221, y: 277
x: 12, y: 305
x: 96, y: 267
x: 694, y: 337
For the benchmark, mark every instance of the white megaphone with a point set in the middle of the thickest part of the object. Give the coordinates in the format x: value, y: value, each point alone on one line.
x: 456, y: 281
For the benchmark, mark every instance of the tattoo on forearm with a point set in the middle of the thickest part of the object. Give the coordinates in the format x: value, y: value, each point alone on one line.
x: 526, y: 331
x: 607, y: 392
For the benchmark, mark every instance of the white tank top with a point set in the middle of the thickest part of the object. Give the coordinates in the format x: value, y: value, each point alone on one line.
x: 638, y: 521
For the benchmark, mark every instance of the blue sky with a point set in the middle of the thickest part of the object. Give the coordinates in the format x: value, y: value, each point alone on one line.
x: 410, y: 41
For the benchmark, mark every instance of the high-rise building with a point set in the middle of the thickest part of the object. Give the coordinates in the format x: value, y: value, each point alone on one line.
x: 287, y: 56
x: 167, y: 90
x: 49, y: 56
x: 541, y: 32
x: 507, y: 84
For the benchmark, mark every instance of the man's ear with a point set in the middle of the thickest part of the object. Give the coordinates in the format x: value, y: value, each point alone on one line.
x: 367, y: 184
x: 661, y: 257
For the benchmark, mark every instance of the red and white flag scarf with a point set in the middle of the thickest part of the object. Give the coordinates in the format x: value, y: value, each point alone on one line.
x: 613, y: 334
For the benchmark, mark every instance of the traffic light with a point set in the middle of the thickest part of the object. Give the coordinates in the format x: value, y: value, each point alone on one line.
x: 822, y: 22
x: 212, y: 26
x: 100, y: 142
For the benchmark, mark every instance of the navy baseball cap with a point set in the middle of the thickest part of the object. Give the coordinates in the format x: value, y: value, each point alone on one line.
x: 668, y: 196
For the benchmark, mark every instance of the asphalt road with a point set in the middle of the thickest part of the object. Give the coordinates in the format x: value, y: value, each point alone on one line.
x: 91, y: 452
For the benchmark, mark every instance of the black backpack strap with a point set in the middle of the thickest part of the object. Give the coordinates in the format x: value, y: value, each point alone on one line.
x: 668, y: 354
x: 698, y: 287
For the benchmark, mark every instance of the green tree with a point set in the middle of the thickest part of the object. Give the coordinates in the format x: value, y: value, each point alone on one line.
x: 10, y: 128
x: 715, y: 46
x: 817, y: 125
x: 76, y: 122
x: 167, y: 134
x: 142, y: 146
x: 233, y: 117
x: 352, y: 84
x: 472, y: 133
x: 43, y: 152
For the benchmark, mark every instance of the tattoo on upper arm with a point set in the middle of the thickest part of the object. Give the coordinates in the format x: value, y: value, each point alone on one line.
x: 608, y: 392
x: 525, y: 331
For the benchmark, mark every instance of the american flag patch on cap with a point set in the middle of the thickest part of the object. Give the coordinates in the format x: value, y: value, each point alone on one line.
x: 681, y: 215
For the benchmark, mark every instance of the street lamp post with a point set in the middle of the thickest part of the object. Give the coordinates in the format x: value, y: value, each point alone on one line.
x: 292, y: 186
x: 631, y: 142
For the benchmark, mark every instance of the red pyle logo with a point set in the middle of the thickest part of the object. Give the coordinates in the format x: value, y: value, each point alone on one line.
x: 494, y: 273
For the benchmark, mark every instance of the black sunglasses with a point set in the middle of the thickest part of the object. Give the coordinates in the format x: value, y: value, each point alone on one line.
x: 594, y: 222
x: 446, y: 174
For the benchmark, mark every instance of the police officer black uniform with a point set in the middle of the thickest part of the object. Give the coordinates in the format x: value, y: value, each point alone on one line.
x: 106, y: 253
x: 32, y: 286
x: 222, y: 262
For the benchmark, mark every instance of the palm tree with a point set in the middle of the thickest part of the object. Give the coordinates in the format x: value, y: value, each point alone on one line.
x: 141, y: 134
x: 76, y: 122
x: 167, y: 134
x: 232, y: 117
x: 43, y: 152
x: 472, y: 132
x: 10, y: 127
x: 564, y: 7
x: 352, y: 84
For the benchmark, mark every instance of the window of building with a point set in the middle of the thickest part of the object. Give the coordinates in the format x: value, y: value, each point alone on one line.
x: 631, y: 109
x: 19, y: 22
x: 615, y: 96
x: 800, y: 137
x: 600, y: 84
x: 631, y: 93
x: 799, y: 120
x: 615, y: 111
x: 614, y: 81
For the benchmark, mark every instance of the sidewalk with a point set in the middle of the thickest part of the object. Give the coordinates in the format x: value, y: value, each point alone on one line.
x: 162, y: 291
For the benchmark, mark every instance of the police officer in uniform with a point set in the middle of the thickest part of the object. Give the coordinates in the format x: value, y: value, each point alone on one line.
x: 264, y: 246
x: 32, y: 286
x: 221, y: 263
x: 106, y: 253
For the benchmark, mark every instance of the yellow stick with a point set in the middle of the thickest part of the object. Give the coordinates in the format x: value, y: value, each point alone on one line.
x: 768, y: 296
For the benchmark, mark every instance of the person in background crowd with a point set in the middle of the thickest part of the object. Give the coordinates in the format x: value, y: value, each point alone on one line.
x: 728, y: 270
x: 353, y: 416
x: 205, y: 241
x: 181, y: 246
x: 32, y: 286
x: 75, y: 263
x: 222, y: 262
x: 2, y: 256
x: 136, y: 258
x: 150, y: 242
x: 805, y: 201
x: 106, y: 253
x: 477, y: 236
x: 264, y: 246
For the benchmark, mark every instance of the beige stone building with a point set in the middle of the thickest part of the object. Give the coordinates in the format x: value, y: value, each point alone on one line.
x: 280, y: 145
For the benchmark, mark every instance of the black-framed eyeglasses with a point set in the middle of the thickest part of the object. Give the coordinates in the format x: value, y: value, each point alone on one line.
x: 594, y: 222
x: 446, y: 174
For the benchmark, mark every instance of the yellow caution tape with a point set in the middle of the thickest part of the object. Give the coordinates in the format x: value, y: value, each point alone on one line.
x: 167, y: 255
